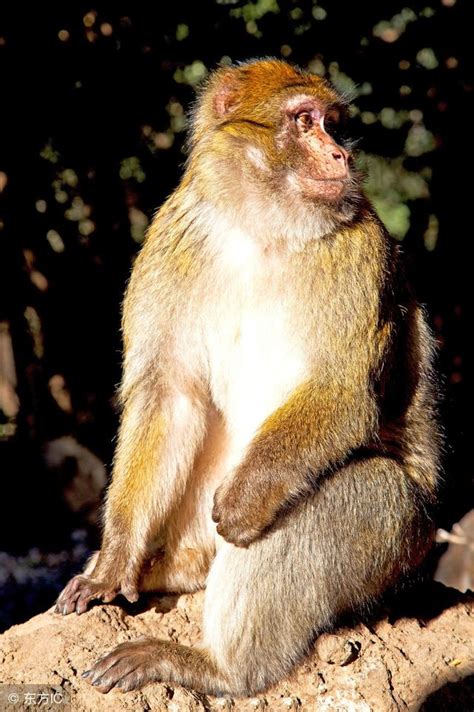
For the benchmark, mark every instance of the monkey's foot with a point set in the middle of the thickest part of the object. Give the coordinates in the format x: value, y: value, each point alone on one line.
x: 81, y: 590
x: 128, y: 667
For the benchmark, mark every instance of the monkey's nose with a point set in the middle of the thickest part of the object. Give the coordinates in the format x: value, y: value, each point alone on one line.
x: 338, y: 159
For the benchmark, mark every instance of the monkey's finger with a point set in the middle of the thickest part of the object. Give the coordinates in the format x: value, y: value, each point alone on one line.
x: 74, y: 584
x: 79, y: 587
x: 216, y: 515
x: 108, y: 596
x: 86, y: 595
x: 131, y: 594
x: 68, y: 595
x: 66, y: 604
x: 238, y: 535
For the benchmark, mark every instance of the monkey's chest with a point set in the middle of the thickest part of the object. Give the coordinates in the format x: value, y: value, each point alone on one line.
x: 256, y: 359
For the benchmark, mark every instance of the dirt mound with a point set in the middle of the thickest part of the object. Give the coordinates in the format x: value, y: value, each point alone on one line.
x: 416, y: 658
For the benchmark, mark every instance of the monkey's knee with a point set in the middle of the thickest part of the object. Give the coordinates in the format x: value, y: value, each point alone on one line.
x: 377, y: 526
x: 335, y: 552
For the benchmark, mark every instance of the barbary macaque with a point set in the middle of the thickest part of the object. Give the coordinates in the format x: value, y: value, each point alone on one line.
x: 278, y: 383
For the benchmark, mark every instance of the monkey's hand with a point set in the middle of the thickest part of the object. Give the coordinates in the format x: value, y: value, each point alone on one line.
x: 242, y: 513
x: 81, y: 590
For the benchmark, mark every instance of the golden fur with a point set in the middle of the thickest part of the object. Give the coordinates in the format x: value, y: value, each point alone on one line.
x: 277, y: 380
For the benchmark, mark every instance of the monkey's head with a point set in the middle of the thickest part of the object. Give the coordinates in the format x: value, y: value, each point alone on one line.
x: 271, y: 138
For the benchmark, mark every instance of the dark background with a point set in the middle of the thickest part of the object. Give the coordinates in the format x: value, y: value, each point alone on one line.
x: 93, y: 112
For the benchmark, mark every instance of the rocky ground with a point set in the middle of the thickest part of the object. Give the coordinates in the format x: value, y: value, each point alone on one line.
x: 420, y: 656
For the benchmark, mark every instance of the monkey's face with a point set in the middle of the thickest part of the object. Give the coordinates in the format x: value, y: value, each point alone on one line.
x: 272, y: 139
x: 309, y: 148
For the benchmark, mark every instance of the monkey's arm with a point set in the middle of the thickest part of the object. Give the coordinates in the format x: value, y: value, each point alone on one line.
x: 157, y: 442
x: 314, y: 430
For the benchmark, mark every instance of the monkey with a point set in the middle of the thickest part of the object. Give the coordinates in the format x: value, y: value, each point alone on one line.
x: 279, y: 442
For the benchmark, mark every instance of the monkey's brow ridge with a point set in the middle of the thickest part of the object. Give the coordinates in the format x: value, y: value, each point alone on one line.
x: 252, y: 122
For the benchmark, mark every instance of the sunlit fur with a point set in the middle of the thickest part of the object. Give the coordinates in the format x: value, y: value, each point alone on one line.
x: 277, y: 379
x: 270, y: 203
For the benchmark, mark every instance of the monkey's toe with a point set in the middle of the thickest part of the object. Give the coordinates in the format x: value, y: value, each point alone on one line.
x: 128, y: 667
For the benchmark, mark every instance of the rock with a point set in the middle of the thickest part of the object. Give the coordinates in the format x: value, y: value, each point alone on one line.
x: 337, y: 649
x: 81, y: 476
x: 456, y: 566
x: 420, y: 657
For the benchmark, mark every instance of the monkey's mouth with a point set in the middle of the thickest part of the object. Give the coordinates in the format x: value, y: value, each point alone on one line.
x: 327, y: 189
x: 310, y: 186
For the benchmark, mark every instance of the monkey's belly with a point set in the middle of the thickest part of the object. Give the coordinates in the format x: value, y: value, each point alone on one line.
x: 256, y: 363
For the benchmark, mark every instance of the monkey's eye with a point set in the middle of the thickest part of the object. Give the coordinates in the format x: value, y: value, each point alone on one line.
x: 304, y: 120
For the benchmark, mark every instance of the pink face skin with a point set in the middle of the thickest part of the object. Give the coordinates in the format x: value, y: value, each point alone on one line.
x: 322, y: 170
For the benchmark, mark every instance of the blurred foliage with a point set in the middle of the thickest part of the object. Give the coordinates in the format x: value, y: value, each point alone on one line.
x: 95, y: 98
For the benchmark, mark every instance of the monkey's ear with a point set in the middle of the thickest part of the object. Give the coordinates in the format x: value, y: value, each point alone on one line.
x: 227, y: 92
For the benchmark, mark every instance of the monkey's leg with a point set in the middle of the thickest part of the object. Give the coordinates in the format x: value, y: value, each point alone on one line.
x: 190, y: 533
x: 155, y: 454
x: 336, y: 551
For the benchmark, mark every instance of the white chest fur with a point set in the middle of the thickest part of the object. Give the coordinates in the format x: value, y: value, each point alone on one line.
x: 255, y: 360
